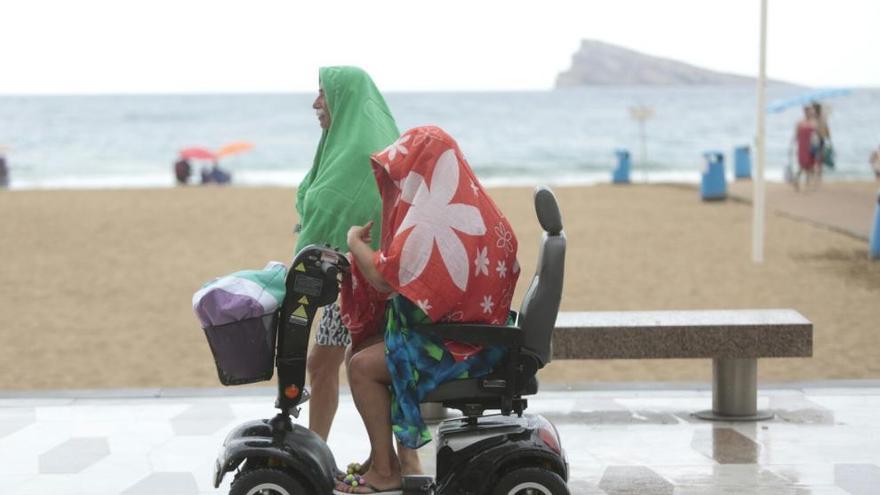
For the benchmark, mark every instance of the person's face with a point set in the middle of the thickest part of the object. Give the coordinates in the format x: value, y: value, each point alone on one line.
x: 321, y: 110
x: 809, y: 112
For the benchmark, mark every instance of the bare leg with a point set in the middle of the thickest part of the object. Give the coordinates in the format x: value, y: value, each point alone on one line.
x: 369, y: 379
x: 409, y: 458
x: 324, y: 362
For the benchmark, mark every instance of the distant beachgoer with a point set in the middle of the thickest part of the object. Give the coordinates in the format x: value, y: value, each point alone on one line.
x: 219, y: 176
x: 182, y: 171
x: 215, y: 175
x: 824, y: 151
x: 4, y: 172
x: 875, y: 162
x: 806, y: 140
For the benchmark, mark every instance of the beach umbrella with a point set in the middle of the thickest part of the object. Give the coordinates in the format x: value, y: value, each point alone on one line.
x: 198, y: 153
x: 803, y: 99
x: 233, y: 148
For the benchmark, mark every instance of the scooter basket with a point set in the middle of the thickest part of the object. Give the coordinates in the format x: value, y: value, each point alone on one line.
x: 244, y: 351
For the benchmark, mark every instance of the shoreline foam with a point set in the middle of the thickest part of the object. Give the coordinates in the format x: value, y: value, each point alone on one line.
x: 271, y: 178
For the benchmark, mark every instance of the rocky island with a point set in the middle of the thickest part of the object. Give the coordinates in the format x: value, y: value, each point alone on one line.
x: 600, y: 64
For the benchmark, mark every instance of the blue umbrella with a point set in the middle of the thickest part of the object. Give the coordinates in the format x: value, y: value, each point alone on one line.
x: 800, y: 100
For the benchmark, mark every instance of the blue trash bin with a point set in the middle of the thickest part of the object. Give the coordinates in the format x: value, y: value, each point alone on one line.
x: 713, y: 185
x: 620, y: 175
x: 742, y: 163
x: 874, y: 243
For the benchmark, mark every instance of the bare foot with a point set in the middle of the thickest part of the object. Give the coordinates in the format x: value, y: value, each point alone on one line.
x: 371, y: 482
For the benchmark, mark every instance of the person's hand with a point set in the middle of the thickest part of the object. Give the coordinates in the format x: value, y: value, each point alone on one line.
x: 360, y: 234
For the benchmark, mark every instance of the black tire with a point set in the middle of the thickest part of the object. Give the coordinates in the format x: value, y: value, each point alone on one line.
x: 531, y: 481
x: 266, y: 482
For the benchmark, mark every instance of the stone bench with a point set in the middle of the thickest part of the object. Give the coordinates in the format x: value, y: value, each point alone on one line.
x: 733, y: 339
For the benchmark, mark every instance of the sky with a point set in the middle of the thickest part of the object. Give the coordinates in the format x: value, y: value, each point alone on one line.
x: 216, y: 46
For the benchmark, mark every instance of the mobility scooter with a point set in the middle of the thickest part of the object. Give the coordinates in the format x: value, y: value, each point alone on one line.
x: 510, y: 453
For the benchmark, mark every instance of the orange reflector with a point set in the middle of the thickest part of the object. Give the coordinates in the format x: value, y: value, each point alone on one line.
x: 549, y: 439
x: 291, y: 392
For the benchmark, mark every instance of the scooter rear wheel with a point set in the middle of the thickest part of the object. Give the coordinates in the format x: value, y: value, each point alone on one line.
x: 531, y: 481
x: 266, y: 482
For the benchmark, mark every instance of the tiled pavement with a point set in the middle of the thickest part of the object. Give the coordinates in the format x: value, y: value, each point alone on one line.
x: 825, y: 439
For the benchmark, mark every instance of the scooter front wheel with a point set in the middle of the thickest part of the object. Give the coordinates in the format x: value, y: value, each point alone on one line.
x: 266, y: 482
x: 531, y: 481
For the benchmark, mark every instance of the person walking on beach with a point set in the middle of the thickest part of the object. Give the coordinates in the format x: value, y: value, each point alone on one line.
x: 4, y: 172
x: 824, y: 151
x: 874, y: 160
x: 805, y: 140
x: 340, y: 191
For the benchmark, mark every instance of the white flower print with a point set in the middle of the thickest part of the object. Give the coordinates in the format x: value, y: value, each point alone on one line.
x: 456, y: 316
x: 515, y: 266
x: 505, y: 237
x: 424, y: 305
x: 397, y: 147
x: 398, y: 193
x: 501, y: 269
x: 434, y: 221
x: 420, y: 138
x: 382, y: 258
x: 481, y: 262
x: 487, y: 304
x: 474, y: 188
x: 409, y: 186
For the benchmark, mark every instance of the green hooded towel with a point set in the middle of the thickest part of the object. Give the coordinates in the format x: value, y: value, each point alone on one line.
x: 340, y: 189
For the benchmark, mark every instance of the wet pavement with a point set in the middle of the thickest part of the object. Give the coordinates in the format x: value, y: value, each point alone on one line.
x: 627, y: 439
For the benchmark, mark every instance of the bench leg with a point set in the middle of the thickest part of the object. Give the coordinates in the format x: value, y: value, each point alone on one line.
x: 734, y: 391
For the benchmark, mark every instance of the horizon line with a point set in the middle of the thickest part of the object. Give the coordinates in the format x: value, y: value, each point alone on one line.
x: 393, y: 91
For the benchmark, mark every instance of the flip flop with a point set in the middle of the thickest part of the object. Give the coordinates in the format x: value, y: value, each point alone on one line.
x: 356, y: 480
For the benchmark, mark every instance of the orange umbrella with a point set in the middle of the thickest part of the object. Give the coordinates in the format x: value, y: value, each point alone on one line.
x: 233, y: 148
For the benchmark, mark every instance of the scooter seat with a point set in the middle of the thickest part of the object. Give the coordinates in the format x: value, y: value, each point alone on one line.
x: 478, y: 388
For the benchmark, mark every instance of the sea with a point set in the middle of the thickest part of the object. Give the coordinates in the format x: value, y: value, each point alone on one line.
x: 510, y: 138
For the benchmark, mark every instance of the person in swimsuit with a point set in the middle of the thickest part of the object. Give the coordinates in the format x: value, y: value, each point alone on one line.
x: 806, y: 142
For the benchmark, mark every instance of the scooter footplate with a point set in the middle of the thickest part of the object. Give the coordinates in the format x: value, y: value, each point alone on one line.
x: 418, y: 485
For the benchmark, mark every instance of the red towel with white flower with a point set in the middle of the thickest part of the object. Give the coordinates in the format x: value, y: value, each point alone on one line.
x: 445, y: 244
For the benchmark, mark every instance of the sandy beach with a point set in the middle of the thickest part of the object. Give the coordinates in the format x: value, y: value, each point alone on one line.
x: 97, y: 284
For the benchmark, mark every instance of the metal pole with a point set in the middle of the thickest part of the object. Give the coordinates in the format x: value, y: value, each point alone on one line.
x: 644, y: 146
x: 758, y: 183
